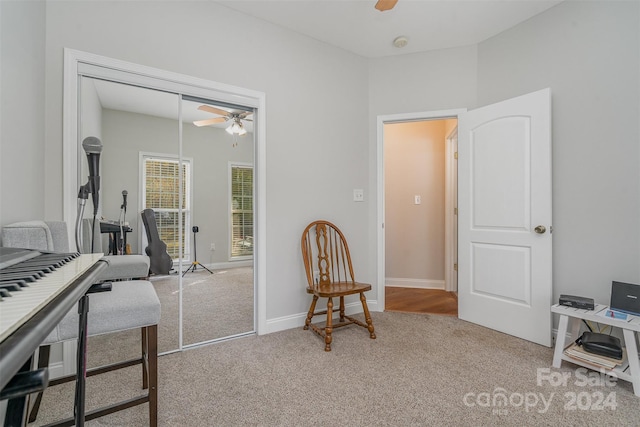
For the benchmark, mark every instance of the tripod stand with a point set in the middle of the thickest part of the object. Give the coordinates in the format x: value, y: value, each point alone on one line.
x: 195, y: 262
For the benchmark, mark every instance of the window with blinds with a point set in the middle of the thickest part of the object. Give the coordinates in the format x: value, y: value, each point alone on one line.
x: 241, y: 211
x: 161, y: 189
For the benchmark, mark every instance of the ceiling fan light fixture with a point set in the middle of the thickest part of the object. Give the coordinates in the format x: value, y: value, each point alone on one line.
x: 236, y: 128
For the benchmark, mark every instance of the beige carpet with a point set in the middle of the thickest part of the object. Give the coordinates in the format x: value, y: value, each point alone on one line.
x: 422, y: 370
x: 214, y: 305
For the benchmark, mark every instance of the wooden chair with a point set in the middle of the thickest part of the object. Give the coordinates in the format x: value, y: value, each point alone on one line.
x: 327, y: 264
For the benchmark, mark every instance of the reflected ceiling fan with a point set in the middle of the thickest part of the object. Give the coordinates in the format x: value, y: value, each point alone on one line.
x: 383, y: 5
x: 236, y: 127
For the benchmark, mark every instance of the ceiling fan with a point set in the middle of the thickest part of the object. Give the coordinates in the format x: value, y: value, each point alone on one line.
x: 236, y: 119
x: 383, y: 5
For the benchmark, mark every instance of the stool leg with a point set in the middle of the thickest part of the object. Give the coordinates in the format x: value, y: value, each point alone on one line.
x: 145, y: 356
x: 152, y: 337
x: 43, y: 362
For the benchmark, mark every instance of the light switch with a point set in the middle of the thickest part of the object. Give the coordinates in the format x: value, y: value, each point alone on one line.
x: 417, y: 200
x: 358, y: 195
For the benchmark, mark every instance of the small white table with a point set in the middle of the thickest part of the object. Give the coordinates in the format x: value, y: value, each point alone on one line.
x: 570, y: 321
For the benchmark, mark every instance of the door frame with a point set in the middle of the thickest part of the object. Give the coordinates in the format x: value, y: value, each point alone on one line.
x: 450, y: 212
x: 380, y: 211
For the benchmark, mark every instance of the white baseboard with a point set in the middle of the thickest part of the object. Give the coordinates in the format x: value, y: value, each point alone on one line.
x: 56, y: 370
x: 230, y: 264
x: 297, y: 320
x: 69, y: 350
x: 414, y: 283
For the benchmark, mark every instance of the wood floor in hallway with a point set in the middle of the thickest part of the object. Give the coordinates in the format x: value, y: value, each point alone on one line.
x: 426, y: 301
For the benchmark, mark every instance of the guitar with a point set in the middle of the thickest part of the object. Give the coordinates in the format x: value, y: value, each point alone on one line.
x: 159, y: 258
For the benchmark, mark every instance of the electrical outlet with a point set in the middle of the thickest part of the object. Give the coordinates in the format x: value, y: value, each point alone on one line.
x: 417, y: 199
x: 213, y: 246
x: 316, y: 276
x: 358, y: 195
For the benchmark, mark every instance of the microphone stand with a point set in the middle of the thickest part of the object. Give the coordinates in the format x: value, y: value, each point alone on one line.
x: 83, y: 195
x: 122, y: 218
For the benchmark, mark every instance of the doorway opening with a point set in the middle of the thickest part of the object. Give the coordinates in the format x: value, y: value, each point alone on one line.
x: 417, y: 188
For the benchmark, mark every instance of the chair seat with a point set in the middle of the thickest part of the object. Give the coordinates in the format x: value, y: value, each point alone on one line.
x: 129, y: 305
x: 337, y: 289
x: 326, y: 257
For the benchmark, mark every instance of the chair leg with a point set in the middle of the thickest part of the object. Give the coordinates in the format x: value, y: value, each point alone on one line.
x: 312, y: 308
x: 145, y: 357
x: 329, y: 326
x: 43, y: 362
x: 341, y: 309
x: 367, y: 316
x: 152, y: 353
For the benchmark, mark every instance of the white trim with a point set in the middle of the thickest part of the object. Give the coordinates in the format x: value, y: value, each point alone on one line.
x: 380, y: 214
x: 56, y: 370
x: 100, y: 66
x: 450, y: 218
x: 394, y: 282
x: 69, y: 350
x: 297, y: 320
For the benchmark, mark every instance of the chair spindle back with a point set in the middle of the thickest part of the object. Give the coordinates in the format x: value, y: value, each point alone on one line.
x: 325, y: 250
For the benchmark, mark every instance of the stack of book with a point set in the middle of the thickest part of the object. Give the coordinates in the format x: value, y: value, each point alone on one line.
x: 576, y: 352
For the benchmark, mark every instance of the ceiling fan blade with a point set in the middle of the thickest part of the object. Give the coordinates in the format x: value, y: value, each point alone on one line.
x: 208, y: 122
x: 383, y: 5
x: 246, y: 114
x: 213, y: 110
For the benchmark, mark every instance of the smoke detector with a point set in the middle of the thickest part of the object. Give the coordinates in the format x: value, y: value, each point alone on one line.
x: 400, y: 41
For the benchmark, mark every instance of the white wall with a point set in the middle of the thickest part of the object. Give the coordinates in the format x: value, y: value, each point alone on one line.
x: 22, y: 127
x: 421, y: 82
x: 91, y: 120
x: 588, y: 53
x: 210, y: 150
x: 306, y: 83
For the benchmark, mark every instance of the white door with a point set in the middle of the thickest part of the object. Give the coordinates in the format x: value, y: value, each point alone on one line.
x: 504, y: 222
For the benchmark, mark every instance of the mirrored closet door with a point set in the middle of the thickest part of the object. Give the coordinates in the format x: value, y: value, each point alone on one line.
x: 198, y: 180
x: 218, y: 285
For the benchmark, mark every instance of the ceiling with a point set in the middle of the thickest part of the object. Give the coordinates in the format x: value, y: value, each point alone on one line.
x: 134, y: 99
x: 356, y: 26
x: 353, y: 25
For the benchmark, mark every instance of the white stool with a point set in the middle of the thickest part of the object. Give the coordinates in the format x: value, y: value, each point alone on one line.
x: 129, y: 305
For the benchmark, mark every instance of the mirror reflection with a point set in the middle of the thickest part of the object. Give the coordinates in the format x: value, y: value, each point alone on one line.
x: 196, y: 180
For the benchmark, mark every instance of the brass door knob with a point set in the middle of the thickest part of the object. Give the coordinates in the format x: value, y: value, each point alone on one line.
x: 541, y: 229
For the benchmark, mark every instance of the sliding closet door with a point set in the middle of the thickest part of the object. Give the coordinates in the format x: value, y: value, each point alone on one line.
x: 139, y: 131
x: 218, y: 278
x: 199, y: 181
